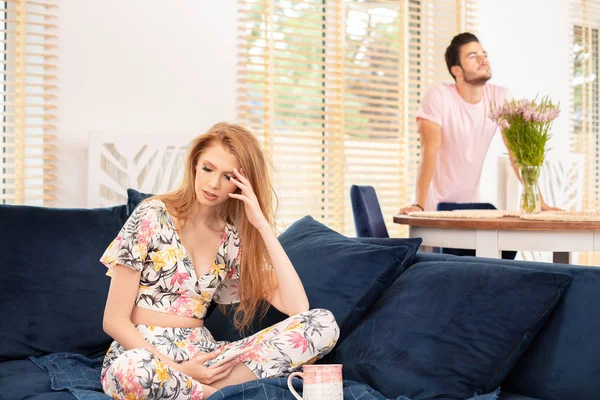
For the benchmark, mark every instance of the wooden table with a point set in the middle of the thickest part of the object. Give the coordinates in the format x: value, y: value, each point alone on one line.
x: 490, y: 236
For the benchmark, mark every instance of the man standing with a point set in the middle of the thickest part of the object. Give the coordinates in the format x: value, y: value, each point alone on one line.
x: 456, y: 130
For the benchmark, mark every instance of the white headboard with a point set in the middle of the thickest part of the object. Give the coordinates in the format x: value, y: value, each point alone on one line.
x: 148, y: 163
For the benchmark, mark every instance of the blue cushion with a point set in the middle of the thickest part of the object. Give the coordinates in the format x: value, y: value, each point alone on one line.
x: 221, y: 324
x: 341, y: 274
x: 513, y: 396
x: 368, y: 219
x: 563, y: 362
x: 134, y: 198
x: 449, y: 329
x: 424, y: 256
x: 344, y: 275
x: 383, y: 241
x: 53, y: 288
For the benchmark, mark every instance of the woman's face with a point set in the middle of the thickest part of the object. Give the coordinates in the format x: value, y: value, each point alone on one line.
x: 215, y: 167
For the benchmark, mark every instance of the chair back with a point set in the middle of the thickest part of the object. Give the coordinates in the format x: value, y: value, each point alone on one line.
x: 368, y: 219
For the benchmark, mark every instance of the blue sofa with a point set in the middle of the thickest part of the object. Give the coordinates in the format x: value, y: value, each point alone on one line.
x: 414, y: 325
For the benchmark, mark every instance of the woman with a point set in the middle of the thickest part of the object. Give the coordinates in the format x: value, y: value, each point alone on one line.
x: 165, y: 274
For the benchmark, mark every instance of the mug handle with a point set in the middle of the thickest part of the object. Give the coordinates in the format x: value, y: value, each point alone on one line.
x: 296, y: 395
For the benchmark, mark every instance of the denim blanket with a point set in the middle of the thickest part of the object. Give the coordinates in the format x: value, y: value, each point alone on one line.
x: 81, y: 376
x: 276, y: 389
x: 75, y: 373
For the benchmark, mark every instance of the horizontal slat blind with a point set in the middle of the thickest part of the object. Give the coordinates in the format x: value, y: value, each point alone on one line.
x: 28, y: 106
x: 291, y: 94
x: 374, y: 101
x: 585, y: 136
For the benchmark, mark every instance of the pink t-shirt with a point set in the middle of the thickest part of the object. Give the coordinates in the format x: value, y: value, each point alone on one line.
x: 467, y: 132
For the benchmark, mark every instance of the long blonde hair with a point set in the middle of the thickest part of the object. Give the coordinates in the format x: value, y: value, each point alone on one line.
x: 255, y: 280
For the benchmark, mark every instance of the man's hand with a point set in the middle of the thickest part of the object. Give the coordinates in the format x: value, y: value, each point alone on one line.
x: 546, y: 207
x: 410, y: 209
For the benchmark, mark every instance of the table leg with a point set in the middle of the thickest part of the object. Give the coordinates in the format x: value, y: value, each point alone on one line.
x: 486, y: 242
x: 561, y: 257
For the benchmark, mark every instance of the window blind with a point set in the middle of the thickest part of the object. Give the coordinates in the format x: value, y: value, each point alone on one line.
x: 585, y: 135
x: 28, y: 81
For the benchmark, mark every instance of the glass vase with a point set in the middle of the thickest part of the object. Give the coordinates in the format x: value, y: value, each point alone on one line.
x: 530, y: 197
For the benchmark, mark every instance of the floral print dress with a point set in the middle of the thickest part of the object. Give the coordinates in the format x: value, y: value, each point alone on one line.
x: 149, y: 243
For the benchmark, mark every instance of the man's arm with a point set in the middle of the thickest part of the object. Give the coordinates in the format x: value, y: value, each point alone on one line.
x: 431, y: 140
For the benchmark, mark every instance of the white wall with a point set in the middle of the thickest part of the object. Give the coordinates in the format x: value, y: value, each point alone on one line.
x: 140, y: 66
x: 527, y: 42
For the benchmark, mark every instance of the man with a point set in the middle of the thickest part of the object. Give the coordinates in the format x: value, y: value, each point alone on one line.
x: 456, y: 130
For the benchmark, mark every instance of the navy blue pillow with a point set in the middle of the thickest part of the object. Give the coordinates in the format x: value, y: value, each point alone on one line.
x: 134, y: 198
x: 563, y: 362
x: 53, y: 288
x: 449, y: 330
x: 342, y: 274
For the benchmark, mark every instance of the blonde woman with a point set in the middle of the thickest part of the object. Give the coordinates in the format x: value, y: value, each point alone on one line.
x: 211, y: 239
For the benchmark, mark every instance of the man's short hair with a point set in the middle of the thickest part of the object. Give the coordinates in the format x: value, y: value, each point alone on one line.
x: 453, y: 51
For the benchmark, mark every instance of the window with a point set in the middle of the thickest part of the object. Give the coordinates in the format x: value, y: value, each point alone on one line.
x: 585, y: 113
x: 332, y: 88
x: 585, y: 108
x: 29, y: 78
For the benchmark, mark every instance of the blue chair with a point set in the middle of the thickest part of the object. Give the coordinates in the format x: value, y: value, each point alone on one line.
x: 368, y: 219
x: 507, y: 255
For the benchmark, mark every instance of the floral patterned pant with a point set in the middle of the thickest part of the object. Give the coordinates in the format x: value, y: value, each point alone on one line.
x: 275, y: 351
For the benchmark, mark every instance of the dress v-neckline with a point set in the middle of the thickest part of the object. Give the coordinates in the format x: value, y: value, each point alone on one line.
x: 187, y: 255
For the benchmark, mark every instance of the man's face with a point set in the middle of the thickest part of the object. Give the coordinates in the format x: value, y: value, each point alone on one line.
x: 475, y: 66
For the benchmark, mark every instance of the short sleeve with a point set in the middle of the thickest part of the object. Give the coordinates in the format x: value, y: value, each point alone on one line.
x: 130, y: 247
x: 431, y: 107
x: 228, y: 290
